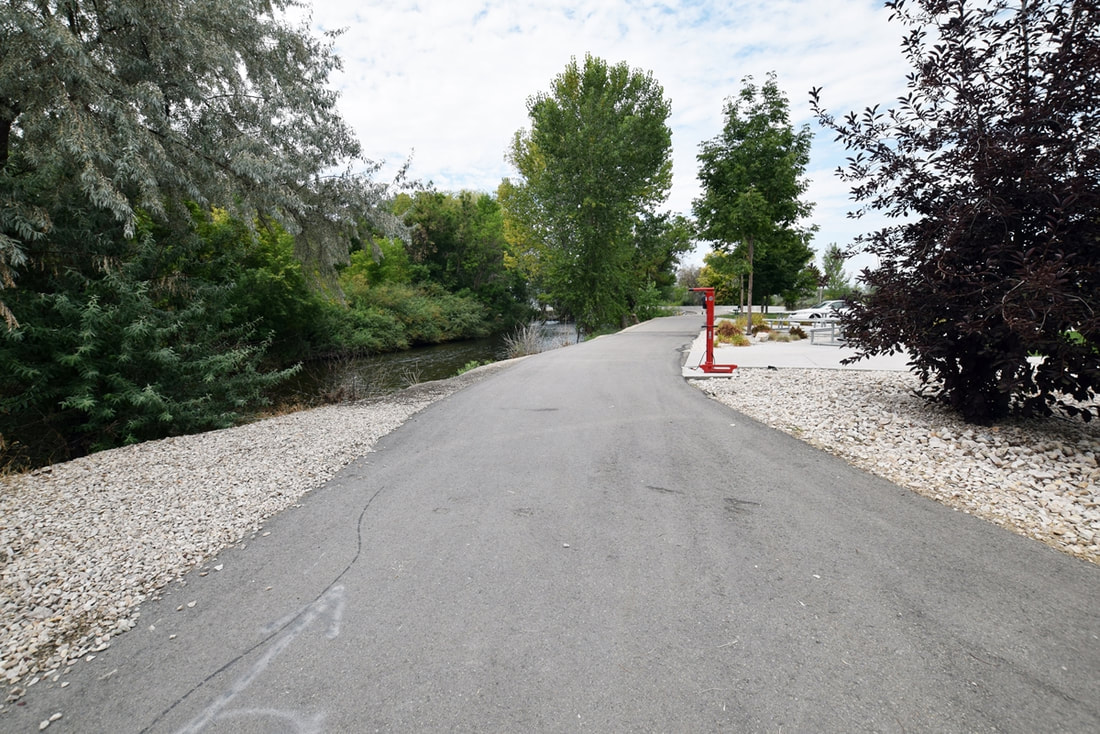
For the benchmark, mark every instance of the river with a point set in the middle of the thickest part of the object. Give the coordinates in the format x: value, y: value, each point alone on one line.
x: 381, y: 374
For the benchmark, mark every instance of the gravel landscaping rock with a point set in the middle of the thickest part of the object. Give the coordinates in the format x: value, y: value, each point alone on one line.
x: 84, y: 542
x: 1037, y: 477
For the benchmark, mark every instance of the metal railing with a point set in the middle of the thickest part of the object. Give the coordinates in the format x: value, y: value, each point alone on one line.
x: 826, y: 331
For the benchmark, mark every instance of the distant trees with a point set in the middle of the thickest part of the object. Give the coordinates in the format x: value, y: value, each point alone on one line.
x: 990, y: 166
x: 752, y: 179
x: 458, y: 241
x: 592, y: 168
x: 836, y: 281
x: 726, y: 273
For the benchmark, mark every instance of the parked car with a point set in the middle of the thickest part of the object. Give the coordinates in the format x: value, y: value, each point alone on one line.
x: 823, y: 310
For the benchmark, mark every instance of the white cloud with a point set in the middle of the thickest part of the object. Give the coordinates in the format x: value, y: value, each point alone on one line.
x: 450, y: 79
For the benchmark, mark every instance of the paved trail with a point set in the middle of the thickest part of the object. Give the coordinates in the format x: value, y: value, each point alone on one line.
x: 582, y: 542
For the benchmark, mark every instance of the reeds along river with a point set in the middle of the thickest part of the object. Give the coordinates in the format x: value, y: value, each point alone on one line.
x: 363, y: 377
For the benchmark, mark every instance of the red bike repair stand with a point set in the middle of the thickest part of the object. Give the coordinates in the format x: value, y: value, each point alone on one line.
x: 708, y: 364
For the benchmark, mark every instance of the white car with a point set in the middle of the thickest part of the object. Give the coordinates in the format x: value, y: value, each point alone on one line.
x: 823, y: 310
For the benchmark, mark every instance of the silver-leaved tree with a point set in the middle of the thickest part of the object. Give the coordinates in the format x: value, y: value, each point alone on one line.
x: 156, y: 156
x: 148, y: 106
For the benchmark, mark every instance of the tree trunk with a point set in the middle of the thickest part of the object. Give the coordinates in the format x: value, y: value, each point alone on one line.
x: 5, y: 139
x: 748, y: 316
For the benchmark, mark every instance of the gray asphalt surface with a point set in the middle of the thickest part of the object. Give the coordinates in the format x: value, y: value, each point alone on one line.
x: 583, y: 542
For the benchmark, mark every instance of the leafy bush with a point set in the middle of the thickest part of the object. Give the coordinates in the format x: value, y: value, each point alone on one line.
x: 760, y: 328
x: 425, y: 314
x: 650, y: 303
x: 736, y: 339
x: 727, y: 327
x: 123, y: 353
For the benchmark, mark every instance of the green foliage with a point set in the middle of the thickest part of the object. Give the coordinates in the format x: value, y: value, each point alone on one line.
x: 659, y: 242
x: 424, y: 314
x: 458, y: 242
x: 837, y: 283
x: 473, y: 364
x: 118, y: 346
x: 595, y: 162
x: 724, y: 272
x: 267, y: 287
x: 128, y: 340
x: 359, y: 329
x: 144, y: 104
x: 751, y: 176
x: 384, y: 260
x: 651, y: 303
x: 805, y: 286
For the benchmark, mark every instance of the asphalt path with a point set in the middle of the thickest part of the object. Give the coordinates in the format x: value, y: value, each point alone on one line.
x: 583, y: 542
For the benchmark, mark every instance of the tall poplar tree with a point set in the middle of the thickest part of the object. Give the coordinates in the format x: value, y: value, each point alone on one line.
x: 596, y: 159
x: 837, y: 283
x: 752, y: 180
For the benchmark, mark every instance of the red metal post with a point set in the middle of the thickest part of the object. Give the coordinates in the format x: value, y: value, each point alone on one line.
x: 708, y: 363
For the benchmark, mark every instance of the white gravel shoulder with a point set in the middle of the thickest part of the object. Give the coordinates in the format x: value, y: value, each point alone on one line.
x: 84, y: 542
x: 1037, y: 477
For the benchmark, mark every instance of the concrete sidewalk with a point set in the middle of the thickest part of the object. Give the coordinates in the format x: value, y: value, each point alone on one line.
x: 799, y: 354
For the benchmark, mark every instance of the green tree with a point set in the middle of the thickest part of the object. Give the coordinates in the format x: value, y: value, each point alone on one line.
x: 837, y: 282
x: 596, y: 159
x: 804, y: 287
x: 990, y: 167
x: 136, y: 310
x: 384, y: 260
x: 459, y: 241
x: 659, y: 242
x: 751, y: 176
x: 147, y: 104
x: 724, y: 272
x: 779, y: 269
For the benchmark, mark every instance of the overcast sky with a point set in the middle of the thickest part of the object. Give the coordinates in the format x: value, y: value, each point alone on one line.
x: 447, y: 81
